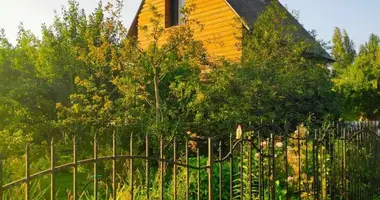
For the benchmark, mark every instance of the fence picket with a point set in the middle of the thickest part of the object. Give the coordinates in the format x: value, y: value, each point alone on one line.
x: 161, y: 169
x: 95, y: 168
x: 241, y: 167
x: 231, y: 170
x: 250, y: 167
x: 147, y: 166
x: 210, y: 169
x: 131, y: 181
x: 52, y: 166
x: 273, y: 157
x: 175, y: 170
x: 75, y: 168
x: 1, y: 177
x: 220, y: 171
x: 27, y: 172
x: 187, y: 170
x: 114, y: 185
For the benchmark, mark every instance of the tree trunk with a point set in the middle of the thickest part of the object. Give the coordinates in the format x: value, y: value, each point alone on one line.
x: 157, y: 96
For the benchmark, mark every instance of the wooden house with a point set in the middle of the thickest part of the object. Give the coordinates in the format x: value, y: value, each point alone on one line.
x: 223, y: 21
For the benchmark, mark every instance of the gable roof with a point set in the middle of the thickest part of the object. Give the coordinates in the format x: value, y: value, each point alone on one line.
x: 249, y: 11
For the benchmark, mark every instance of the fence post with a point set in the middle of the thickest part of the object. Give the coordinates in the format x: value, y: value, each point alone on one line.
x: 299, y: 161
x: 242, y: 166
x: 187, y: 169
x: 1, y: 177
x: 161, y: 168
x: 261, y: 186
x: 220, y: 171
x: 27, y: 173
x: 95, y: 168
x: 146, y: 166
x: 273, y: 167
x: 75, y: 168
x: 231, y: 169
x: 52, y: 166
x: 250, y: 166
x: 175, y: 169
x: 114, y: 185
x: 131, y: 166
x: 198, y: 173
x: 210, y: 169
x: 344, y: 166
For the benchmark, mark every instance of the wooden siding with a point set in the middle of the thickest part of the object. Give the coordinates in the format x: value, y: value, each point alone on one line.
x: 221, y: 28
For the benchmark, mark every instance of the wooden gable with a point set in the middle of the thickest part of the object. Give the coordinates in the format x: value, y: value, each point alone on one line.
x: 221, y: 34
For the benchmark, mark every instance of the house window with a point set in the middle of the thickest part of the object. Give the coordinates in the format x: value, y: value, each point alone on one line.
x: 175, y: 12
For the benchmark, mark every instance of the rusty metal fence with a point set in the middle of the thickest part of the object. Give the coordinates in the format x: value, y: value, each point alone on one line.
x: 341, y: 161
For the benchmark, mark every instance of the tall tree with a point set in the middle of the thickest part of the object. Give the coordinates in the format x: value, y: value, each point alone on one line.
x: 276, y: 80
x: 359, y: 82
x: 343, y: 51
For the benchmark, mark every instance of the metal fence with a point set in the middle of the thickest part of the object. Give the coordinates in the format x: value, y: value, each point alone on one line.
x: 265, y: 162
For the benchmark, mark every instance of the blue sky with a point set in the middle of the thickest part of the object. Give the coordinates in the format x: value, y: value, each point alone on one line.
x: 359, y: 18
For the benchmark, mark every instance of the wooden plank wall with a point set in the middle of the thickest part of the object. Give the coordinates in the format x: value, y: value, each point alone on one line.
x: 221, y: 32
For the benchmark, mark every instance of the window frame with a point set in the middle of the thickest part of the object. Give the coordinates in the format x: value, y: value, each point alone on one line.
x: 175, y: 14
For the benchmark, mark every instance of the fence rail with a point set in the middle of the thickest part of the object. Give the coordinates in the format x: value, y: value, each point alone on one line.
x: 319, y: 164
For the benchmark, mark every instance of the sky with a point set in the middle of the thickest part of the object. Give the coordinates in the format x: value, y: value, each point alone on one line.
x: 358, y: 17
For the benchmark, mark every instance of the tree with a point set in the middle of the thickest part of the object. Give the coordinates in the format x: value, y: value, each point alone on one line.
x: 275, y: 81
x: 139, y: 90
x: 358, y: 84
x: 343, y: 51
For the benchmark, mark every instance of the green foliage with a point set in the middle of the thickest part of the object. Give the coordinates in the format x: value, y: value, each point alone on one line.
x: 84, y: 76
x: 357, y: 78
x: 275, y: 81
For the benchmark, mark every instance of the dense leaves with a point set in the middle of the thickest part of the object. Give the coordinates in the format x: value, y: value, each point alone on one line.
x: 357, y: 76
x: 85, y: 75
